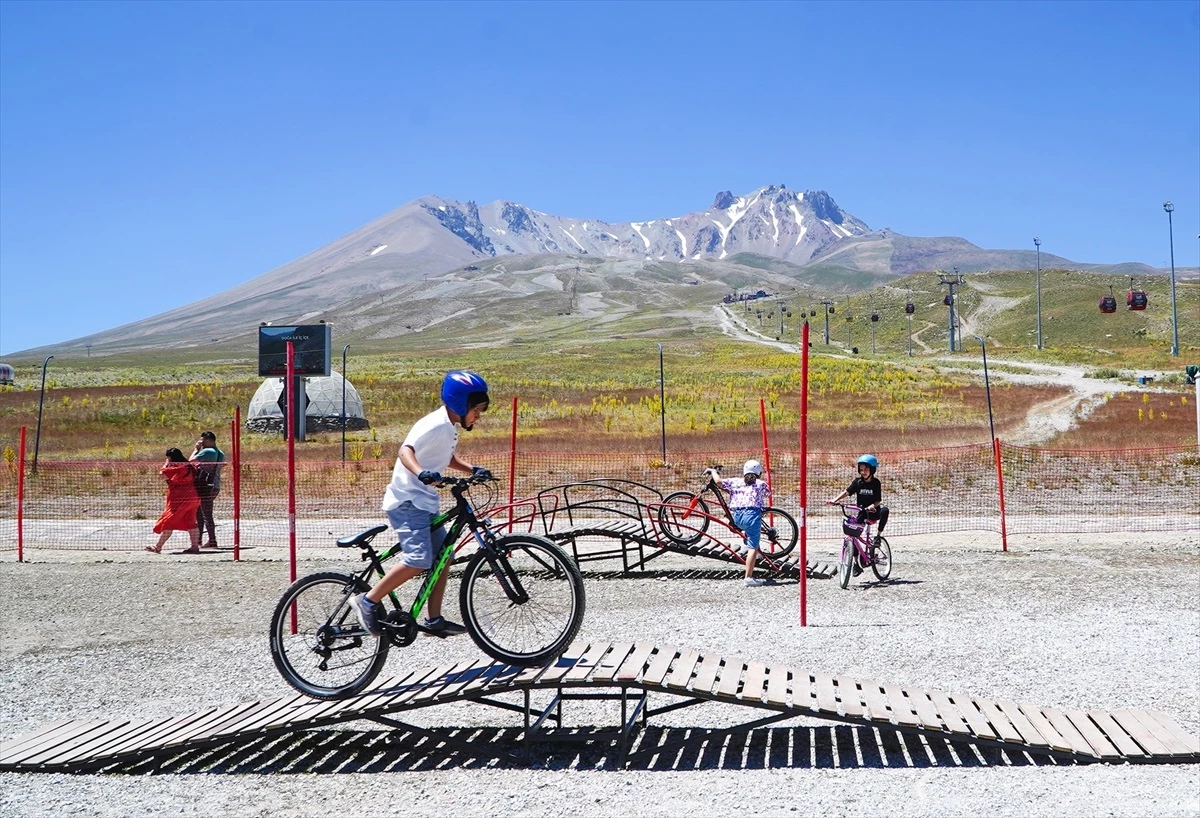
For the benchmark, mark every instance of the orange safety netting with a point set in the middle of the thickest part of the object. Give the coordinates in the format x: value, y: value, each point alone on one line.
x: 113, y: 505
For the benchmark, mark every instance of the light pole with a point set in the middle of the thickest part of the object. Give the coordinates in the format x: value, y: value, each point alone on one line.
x: 37, y: 438
x: 987, y: 385
x: 662, y: 402
x: 1038, y: 244
x: 346, y: 347
x: 1170, y: 208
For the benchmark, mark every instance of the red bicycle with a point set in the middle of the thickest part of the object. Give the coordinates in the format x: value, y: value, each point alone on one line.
x: 684, y: 517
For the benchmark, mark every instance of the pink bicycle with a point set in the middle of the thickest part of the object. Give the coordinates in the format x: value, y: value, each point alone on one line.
x: 860, y: 549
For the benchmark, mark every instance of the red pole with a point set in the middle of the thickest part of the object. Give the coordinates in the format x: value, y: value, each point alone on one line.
x: 21, y: 498
x: 762, y: 417
x: 290, y: 425
x: 804, y: 476
x: 512, y: 463
x: 235, y: 438
x: 1000, y: 483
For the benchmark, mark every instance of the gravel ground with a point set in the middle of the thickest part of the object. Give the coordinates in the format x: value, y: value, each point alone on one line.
x: 1100, y: 622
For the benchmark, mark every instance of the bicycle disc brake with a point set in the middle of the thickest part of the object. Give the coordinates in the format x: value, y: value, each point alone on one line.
x: 400, y: 628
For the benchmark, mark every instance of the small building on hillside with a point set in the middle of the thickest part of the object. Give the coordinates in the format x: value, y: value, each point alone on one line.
x: 322, y: 414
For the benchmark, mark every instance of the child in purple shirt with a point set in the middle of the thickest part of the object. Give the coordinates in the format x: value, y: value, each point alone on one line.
x: 747, y: 499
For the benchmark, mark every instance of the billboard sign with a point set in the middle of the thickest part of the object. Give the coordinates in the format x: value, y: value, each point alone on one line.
x: 312, y: 342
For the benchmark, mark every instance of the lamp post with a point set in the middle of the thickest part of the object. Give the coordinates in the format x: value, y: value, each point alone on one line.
x: 346, y: 347
x: 662, y: 402
x: 987, y: 385
x: 37, y: 438
x: 1038, y: 244
x: 1170, y: 208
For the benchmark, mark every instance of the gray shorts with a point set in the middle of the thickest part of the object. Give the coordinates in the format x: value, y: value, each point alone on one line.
x: 418, y: 541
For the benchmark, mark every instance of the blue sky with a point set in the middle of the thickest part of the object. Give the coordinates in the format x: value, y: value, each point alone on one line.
x: 152, y: 154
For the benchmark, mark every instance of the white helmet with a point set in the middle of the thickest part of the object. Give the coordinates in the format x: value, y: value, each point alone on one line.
x: 752, y: 467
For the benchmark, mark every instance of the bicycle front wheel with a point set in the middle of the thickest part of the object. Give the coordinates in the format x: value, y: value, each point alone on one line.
x: 846, y: 565
x: 779, y: 532
x: 683, y: 517
x: 881, y: 558
x: 522, y: 600
x: 329, y: 656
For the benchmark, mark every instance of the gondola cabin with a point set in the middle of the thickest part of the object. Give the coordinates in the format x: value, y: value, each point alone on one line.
x: 1136, y: 300
x: 947, y: 300
x: 910, y: 308
x: 1108, y: 304
x: 874, y: 317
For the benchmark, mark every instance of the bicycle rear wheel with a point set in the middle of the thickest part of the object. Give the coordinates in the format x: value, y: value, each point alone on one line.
x: 881, y: 558
x: 522, y: 600
x: 683, y: 517
x: 846, y: 564
x: 330, y: 656
x: 779, y: 532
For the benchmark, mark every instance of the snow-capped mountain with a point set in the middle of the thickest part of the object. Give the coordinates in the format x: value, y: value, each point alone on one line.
x: 771, y: 221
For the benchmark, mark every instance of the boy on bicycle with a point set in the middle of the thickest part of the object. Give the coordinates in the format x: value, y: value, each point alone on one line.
x: 867, y: 492
x: 411, y: 501
x: 747, y: 499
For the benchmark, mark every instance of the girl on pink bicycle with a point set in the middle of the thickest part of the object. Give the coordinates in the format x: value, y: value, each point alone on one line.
x: 868, y: 493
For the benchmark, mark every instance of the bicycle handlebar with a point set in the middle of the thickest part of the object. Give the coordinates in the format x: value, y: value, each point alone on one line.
x: 464, y: 482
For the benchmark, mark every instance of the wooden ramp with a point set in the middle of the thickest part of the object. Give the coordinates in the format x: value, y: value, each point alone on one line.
x: 630, y: 674
x: 637, y: 544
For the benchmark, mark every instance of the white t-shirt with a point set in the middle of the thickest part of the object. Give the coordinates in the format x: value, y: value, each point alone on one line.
x: 433, y: 439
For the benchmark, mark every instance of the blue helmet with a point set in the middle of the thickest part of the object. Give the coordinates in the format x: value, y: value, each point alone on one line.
x: 462, y: 390
x: 871, y: 461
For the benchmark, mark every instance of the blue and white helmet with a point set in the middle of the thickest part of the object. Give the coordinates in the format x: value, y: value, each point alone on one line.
x: 463, y: 390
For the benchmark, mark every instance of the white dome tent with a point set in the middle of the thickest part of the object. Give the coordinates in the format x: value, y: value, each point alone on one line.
x: 324, y: 410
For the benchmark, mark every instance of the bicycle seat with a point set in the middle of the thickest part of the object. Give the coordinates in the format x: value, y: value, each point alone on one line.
x: 362, y: 539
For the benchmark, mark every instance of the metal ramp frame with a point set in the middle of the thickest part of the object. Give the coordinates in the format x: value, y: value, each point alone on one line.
x: 629, y: 673
x: 624, y: 510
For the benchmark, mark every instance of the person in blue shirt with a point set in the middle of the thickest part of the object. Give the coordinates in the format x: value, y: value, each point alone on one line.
x: 206, y: 458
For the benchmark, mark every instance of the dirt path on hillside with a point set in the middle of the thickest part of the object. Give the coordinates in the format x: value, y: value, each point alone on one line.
x: 1043, y: 421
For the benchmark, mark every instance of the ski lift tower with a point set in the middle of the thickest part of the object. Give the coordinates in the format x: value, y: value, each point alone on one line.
x: 828, y: 304
x: 951, y: 282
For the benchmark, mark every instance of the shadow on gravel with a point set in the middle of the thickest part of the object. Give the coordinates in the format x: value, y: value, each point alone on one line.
x: 653, y: 749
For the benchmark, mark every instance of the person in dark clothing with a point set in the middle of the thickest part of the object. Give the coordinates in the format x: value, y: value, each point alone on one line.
x: 207, y: 459
x: 867, y: 492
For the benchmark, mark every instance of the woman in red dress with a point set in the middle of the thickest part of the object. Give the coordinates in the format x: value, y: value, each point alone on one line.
x: 182, y: 502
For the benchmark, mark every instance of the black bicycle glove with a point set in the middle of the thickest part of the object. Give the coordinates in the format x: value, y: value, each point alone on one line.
x: 482, y: 473
x: 429, y: 477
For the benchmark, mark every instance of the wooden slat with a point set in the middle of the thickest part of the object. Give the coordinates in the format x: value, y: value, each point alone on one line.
x: 379, y: 693
x: 777, y: 685
x: 1045, y: 728
x: 826, y: 696
x: 877, y: 708
x: 82, y: 746
x: 730, y: 679
x: 58, y: 733
x: 217, y: 717
x: 436, y: 687
x: 849, y: 695
x: 1067, y: 730
x: 578, y: 654
x: 706, y: 674
x: 1004, y: 729
x: 755, y: 682
x: 927, y: 714
x: 606, y: 668
x: 155, y: 737
x: 656, y: 671
x: 681, y: 670
x: 804, y: 693
x: 587, y: 663
x: 635, y: 663
x: 1142, y: 734
x: 1116, y: 734
x: 1178, y: 740
x: 10, y: 746
x: 1095, y: 737
x: 101, y: 748
x: 954, y: 720
x: 976, y: 719
x: 900, y: 706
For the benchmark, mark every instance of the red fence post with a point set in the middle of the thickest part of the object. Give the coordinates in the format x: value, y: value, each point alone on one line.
x: 21, y: 498
x: 512, y: 463
x: 762, y: 416
x: 1000, y: 483
x: 290, y: 425
x: 804, y: 477
x: 235, y: 439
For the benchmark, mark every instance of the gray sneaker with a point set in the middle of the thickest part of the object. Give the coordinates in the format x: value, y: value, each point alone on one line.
x: 440, y: 626
x: 753, y: 582
x: 369, y: 613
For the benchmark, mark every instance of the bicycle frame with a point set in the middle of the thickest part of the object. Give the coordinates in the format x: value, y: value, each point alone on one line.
x: 862, y: 541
